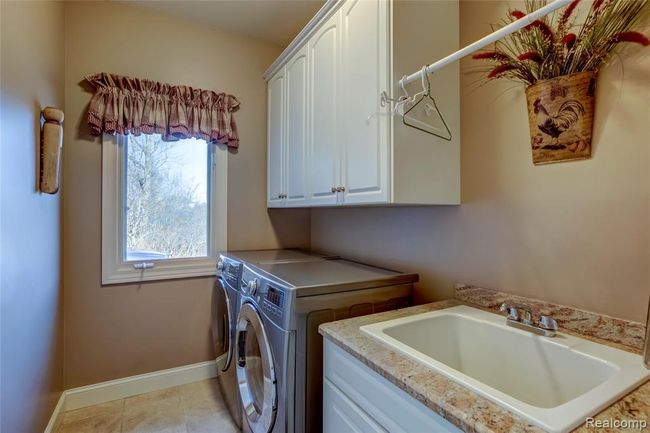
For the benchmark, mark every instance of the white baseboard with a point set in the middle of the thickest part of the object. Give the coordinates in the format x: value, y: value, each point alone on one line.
x: 103, y: 392
x: 54, y: 419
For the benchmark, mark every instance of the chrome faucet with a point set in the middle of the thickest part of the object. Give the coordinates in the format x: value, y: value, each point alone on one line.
x: 522, y: 318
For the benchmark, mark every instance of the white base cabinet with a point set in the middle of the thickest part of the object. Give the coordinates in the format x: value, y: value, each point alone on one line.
x: 331, y: 140
x: 356, y: 399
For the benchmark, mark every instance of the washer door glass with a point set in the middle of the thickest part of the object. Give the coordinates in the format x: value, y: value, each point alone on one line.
x: 222, y: 325
x: 255, y: 371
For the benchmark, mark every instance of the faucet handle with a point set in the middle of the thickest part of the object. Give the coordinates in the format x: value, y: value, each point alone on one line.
x: 526, y: 316
x: 547, y: 322
x: 513, y: 313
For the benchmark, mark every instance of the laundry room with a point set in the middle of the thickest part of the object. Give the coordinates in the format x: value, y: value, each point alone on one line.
x: 324, y: 216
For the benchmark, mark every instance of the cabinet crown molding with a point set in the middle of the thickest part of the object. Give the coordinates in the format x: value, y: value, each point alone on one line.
x: 323, y: 13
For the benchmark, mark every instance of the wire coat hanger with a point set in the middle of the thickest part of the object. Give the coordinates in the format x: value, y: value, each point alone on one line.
x: 429, y: 107
x: 401, y: 102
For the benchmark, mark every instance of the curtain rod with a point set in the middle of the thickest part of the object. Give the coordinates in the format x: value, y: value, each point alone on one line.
x: 487, y: 40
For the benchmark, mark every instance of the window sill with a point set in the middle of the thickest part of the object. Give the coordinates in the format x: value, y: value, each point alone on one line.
x: 162, y: 271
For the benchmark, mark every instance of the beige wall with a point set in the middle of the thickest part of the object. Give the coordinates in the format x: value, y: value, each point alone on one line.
x: 117, y: 331
x: 31, y: 298
x: 575, y: 233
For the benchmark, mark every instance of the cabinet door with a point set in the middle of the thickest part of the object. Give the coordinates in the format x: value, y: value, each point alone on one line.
x: 340, y: 414
x: 296, y: 138
x: 373, y: 396
x: 324, y: 165
x: 276, y: 134
x: 364, y: 74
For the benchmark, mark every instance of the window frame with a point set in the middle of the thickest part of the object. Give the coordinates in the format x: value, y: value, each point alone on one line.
x: 115, y: 269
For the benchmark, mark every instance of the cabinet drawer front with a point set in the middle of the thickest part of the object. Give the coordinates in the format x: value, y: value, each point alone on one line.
x: 385, y: 403
x: 342, y: 415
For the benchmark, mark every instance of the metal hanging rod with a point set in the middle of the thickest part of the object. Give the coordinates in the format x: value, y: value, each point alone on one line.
x: 487, y: 40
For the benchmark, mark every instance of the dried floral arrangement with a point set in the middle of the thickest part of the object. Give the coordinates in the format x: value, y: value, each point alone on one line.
x: 557, y: 45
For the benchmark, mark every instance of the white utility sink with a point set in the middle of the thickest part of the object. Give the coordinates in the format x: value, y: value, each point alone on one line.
x: 555, y: 382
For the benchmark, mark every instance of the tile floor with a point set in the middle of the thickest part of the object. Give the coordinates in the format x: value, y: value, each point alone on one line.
x: 193, y: 408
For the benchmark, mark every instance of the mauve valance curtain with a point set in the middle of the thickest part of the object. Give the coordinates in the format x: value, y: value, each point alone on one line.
x: 125, y: 105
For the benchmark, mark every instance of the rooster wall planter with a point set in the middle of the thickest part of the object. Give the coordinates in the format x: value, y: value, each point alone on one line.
x: 557, y: 58
x: 560, y: 115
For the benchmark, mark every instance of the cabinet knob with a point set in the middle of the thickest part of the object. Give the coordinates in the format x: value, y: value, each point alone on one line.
x: 334, y: 189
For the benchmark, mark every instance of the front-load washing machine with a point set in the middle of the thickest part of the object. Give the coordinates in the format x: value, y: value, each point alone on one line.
x: 225, y: 310
x: 279, y: 353
x: 264, y: 358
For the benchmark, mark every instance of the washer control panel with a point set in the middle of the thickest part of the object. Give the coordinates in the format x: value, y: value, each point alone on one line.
x: 229, y: 270
x: 267, y: 294
x: 250, y: 287
x: 274, y: 300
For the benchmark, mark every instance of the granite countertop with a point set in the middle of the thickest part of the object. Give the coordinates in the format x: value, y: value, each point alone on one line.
x: 461, y: 406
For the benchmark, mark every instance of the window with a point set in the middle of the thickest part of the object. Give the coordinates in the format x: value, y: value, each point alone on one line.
x: 163, y: 208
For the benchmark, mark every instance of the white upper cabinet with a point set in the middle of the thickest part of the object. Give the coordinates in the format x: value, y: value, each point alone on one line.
x: 287, y: 134
x: 324, y: 166
x: 296, y: 127
x: 330, y: 140
x: 276, y: 139
x: 364, y: 74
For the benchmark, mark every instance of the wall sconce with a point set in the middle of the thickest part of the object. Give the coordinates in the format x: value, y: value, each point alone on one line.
x: 51, y: 145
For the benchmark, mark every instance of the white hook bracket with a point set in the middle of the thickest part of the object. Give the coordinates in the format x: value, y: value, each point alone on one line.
x: 385, y: 100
